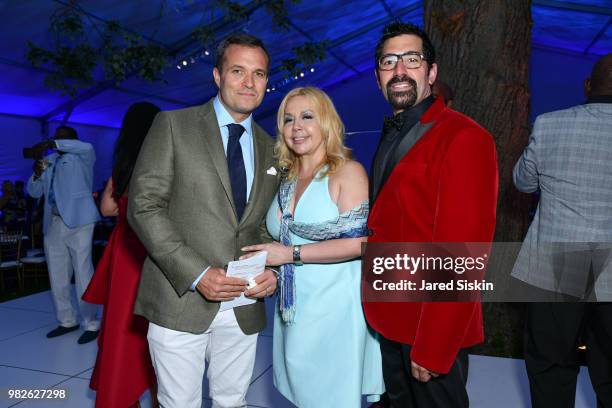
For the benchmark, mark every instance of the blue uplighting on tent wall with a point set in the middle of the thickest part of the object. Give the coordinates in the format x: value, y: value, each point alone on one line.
x: 352, y: 29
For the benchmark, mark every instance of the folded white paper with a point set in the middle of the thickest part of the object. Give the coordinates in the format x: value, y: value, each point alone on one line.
x: 246, y: 269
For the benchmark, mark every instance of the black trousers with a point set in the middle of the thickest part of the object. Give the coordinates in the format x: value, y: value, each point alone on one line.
x: 404, y: 391
x: 552, y: 332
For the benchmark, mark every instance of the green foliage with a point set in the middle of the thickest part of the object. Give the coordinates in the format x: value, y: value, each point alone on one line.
x: 73, y: 58
x: 306, y: 54
x: 278, y: 11
x: 233, y: 11
x: 73, y: 66
x: 311, y: 52
x: 73, y: 55
x: 66, y: 22
x: 204, y: 35
x: 124, y: 53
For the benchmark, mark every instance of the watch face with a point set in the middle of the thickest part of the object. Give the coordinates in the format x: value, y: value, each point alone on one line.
x: 297, y: 259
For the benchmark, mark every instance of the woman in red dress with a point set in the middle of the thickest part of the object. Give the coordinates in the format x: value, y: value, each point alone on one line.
x: 123, y: 370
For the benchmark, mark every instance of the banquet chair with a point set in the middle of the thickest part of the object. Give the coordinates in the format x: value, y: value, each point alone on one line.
x: 10, y: 253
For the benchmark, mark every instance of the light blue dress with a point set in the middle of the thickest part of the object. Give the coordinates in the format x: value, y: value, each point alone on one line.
x: 327, y: 357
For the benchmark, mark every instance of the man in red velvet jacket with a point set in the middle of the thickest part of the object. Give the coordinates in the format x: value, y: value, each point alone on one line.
x: 434, y: 179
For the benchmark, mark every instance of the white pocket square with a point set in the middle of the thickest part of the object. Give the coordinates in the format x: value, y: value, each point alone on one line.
x: 271, y: 171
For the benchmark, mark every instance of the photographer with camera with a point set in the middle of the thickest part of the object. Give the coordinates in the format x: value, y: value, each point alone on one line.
x: 65, y: 177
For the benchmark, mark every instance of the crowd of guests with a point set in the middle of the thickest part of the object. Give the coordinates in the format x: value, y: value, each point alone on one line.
x: 191, y: 190
x: 13, y: 204
x: 18, y: 211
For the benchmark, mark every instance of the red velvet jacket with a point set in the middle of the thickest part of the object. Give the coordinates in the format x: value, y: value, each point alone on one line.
x: 443, y: 190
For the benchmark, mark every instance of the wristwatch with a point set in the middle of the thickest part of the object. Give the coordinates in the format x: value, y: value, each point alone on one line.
x: 297, y: 257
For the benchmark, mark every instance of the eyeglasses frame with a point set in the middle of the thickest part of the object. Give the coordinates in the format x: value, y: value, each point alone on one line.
x: 400, y: 57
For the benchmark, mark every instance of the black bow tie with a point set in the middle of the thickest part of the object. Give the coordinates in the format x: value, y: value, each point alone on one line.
x: 395, y: 121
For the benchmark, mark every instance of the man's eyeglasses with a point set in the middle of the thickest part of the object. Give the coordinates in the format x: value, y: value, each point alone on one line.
x: 410, y: 59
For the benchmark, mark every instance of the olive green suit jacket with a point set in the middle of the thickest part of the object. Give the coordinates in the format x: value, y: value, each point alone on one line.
x: 181, y: 208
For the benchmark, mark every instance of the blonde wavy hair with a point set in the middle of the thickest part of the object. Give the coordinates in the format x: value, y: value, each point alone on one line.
x: 332, y: 130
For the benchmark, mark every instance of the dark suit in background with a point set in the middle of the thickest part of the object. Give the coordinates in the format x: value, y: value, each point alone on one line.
x: 567, y: 247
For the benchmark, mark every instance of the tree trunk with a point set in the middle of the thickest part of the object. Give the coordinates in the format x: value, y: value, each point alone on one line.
x: 483, y: 50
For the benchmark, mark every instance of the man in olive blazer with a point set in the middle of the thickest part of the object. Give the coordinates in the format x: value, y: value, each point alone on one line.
x: 185, y: 209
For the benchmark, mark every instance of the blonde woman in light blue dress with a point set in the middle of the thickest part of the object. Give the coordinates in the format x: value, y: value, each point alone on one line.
x: 324, y: 355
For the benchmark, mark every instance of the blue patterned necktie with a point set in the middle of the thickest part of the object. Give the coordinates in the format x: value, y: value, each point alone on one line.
x: 235, y: 165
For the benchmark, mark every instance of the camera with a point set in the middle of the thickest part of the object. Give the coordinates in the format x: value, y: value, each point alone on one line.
x: 32, y: 153
x: 37, y: 151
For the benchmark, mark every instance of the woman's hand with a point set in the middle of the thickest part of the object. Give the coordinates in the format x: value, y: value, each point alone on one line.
x: 278, y: 254
x: 108, y: 205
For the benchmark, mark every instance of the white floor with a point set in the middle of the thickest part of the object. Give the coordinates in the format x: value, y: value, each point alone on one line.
x: 28, y: 360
